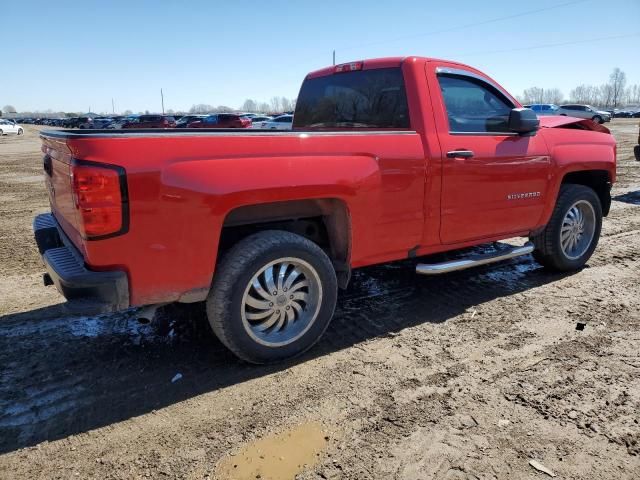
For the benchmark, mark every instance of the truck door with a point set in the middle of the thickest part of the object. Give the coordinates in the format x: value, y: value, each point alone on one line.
x: 494, y: 182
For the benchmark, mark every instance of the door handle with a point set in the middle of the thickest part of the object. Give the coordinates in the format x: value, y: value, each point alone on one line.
x: 460, y: 154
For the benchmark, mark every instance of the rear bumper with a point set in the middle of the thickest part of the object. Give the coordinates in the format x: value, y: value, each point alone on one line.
x: 636, y: 152
x: 86, y: 291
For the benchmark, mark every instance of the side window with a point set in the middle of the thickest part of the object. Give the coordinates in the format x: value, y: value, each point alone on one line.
x: 474, y: 106
x: 536, y: 108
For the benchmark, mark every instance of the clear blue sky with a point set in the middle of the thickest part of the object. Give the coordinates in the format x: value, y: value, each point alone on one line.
x: 69, y: 55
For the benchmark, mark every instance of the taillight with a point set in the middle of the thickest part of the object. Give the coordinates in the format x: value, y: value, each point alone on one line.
x: 100, y: 194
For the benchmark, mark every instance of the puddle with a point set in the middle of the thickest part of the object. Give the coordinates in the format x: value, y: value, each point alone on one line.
x: 276, y: 457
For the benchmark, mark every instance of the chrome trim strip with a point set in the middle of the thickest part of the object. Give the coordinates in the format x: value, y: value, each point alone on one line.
x: 220, y: 132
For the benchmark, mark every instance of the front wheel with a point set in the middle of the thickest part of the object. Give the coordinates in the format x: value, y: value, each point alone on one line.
x: 598, y: 119
x: 20, y: 132
x: 273, y: 296
x: 572, y: 234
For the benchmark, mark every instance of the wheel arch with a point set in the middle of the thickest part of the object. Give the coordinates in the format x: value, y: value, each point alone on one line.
x: 325, y: 221
x: 598, y: 180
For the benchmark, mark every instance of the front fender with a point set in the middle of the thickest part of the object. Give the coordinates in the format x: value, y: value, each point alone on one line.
x: 574, y: 151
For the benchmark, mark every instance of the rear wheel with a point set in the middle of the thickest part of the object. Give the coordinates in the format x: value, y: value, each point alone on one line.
x: 273, y: 296
x: 572, y: 234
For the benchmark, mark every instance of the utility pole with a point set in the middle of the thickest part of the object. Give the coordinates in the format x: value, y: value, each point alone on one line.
x: 113, y: 107
x: 334, y: 57
x: 162, y: 97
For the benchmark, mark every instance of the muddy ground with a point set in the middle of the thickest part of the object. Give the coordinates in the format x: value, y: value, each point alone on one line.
x: 465, y: 376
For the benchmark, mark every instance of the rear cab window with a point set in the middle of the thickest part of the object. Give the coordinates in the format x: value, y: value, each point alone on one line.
x: 367, y: 99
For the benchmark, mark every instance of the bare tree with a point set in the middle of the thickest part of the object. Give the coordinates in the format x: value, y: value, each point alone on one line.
x: 287, y: 104
x: 276, y: 104
x: 533, y: 95
x: 633, y: 95
x: 542, y: 95
x: 263, y: 107
x: 9, y: 109
x: 605, y: 97
x: 586, y: 94
x: 553, y: 95
x: 249, y: 105
x: 201, y: 108
x: 617, y: 82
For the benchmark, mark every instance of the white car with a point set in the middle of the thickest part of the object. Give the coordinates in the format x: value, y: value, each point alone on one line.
x: 283, y: 122
x: 584, y: 111
x: 259, y: 120
x: 7, y: 127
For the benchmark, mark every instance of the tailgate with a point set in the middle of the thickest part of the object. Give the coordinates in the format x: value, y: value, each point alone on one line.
x: 57, y: 167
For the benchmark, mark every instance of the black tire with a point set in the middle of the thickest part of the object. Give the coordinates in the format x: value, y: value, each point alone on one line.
x: 20, y: 131
x: 233, y: 275
x: 548, y: 248
x: 598, y: 119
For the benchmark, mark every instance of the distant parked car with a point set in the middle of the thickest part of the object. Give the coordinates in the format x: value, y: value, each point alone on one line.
x: 8, y: 127
x: 119, y: 122
x: 102, y: 122
x: 221, y: 120
x: 584, y: 111
x: 283, y: 122
x: 75, y: 122
x: 187, y: 119
x: 544, y: 108
x: 623, y: 114
x: 152, y: 121
x: 257, y: 121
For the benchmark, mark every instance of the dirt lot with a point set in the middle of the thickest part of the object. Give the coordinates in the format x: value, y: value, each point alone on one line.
x: 465, y: 376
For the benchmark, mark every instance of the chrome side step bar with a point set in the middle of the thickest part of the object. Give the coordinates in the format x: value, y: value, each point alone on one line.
x: 473, y: 261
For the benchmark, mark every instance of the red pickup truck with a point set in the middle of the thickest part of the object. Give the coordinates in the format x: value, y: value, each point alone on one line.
x: 388, y: 159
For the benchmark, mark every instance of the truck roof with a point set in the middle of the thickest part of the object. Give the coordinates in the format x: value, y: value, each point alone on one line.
x: 383, y: 62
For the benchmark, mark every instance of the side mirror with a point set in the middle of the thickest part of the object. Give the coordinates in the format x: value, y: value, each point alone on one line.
x: 523, y: 121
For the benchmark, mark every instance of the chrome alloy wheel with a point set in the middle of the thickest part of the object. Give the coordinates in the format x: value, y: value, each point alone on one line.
x: 578, y: 228
x: 281, y: 302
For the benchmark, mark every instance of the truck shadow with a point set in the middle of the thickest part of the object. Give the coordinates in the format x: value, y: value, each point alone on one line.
x: 62, y: 375
x: 631, y: 197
